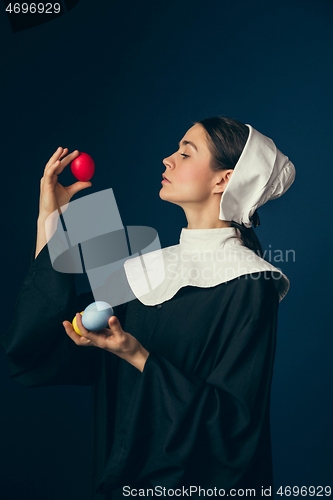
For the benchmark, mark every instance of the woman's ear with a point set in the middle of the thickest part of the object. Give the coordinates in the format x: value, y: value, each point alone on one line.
x: 222, y: 180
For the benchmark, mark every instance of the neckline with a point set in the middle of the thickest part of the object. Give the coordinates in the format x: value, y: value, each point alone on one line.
x: 206, y: 239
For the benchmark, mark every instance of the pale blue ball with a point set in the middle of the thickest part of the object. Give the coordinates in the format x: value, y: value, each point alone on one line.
x: 96, y: 316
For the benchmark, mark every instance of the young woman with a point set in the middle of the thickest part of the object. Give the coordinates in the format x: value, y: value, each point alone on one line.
x: 181, y: 379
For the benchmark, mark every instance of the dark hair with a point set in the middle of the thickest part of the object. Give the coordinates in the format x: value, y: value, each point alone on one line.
x: 226, y: 139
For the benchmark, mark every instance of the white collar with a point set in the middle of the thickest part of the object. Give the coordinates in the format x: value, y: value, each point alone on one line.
x: 203, y: 258
x: 205, y: 239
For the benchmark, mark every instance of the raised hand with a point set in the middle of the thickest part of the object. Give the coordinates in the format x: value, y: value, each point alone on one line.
x: 52, y: 194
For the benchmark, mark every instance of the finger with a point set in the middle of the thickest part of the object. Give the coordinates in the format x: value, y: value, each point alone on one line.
x: 115, y: 332
x: 98, y: 338
x: 58, y: 166
x: 77, y: 186
x: 59, y: 161
x: 115, y: 326
x: 80, y: 326
x: 54, y: 157
x: 81, y: 341
x: 65, y: 151
x: 69, y: 158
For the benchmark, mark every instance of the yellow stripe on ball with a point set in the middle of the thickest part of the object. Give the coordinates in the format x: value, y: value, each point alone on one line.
x: 75, y: 327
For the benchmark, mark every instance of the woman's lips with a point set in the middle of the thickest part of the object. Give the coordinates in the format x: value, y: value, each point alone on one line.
x: 165, y: 181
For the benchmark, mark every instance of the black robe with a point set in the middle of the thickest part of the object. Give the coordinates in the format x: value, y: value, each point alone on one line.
x: 198, y: 414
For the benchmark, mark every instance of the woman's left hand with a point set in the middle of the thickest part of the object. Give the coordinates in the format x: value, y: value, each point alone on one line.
x: 115, y: 340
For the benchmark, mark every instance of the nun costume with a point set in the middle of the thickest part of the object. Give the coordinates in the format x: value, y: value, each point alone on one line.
x: 197, y: 416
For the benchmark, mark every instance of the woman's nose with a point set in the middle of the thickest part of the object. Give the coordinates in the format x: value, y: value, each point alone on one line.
x: 168, y: 162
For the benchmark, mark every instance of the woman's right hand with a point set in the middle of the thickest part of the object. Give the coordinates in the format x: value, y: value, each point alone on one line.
x: 52, y: 194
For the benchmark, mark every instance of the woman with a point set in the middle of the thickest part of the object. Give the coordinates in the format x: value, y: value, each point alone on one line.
x: 181, y: 379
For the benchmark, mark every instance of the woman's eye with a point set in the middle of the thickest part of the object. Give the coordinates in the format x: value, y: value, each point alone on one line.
x: 185, y: 156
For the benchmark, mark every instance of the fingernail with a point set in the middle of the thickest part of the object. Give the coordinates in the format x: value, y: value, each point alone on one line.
x: 59, y: 149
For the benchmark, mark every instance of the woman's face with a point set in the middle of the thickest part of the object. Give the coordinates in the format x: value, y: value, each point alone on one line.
x: 188, y: 178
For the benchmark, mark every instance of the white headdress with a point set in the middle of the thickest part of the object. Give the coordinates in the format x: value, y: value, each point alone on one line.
x: 262, y: 173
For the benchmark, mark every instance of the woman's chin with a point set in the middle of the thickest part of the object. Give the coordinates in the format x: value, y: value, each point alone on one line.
x: 163, y: 195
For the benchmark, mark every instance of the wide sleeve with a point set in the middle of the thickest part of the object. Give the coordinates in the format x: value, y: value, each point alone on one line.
x: 38, y: 349
x: 183, y: 428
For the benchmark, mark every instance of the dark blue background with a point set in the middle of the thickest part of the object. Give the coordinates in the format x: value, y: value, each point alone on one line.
x: 123, y: 81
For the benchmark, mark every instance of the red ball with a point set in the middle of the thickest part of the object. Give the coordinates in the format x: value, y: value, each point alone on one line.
x: 83, y: 167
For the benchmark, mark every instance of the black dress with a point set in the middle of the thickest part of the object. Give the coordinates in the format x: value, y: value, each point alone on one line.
x: 198, y: 414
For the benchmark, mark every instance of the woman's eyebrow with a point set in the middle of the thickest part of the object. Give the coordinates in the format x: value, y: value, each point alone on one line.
x: 190, y: 143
